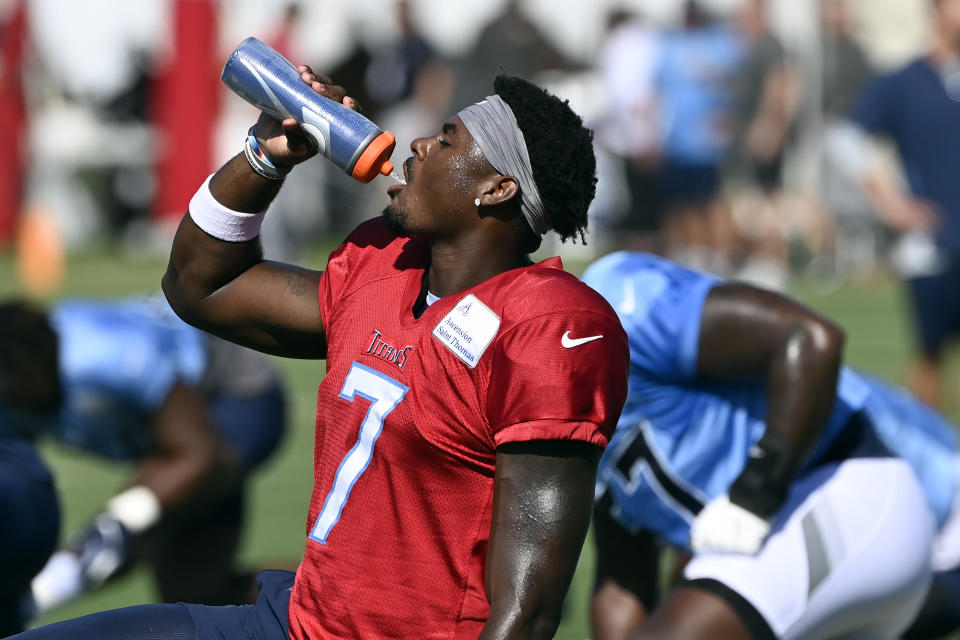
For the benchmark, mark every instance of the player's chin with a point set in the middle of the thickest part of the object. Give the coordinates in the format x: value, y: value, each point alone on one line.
x: 396, y: 219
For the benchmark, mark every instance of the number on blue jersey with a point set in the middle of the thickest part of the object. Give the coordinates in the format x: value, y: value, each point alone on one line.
x: 384, y: 394
x: 639, y: 457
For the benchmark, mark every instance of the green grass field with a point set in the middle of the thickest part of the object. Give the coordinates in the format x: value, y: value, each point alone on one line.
x: 871, y: 312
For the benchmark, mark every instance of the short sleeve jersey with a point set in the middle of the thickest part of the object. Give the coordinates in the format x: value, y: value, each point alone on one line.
x: 409, y: 417
x: 694, y: 74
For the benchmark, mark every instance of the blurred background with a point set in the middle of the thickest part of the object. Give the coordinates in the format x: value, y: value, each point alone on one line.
x: 732, y: 135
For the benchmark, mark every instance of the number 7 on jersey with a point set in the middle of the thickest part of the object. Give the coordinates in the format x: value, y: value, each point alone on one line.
x: 384, y: 394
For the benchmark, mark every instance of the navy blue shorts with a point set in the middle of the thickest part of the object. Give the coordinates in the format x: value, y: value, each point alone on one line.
x: 265, y: 620
x: 688, y: 185
x: 936, y: 309
x: 252, y: 425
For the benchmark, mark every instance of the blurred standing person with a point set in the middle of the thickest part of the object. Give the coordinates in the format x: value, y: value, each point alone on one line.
x: 393, y: 69
x: 284, y: 38
x: 766, y: 91
x: 409, y: 88
x: 385, y: 77
x: 628, y: 127
x: 846, y: 70
x: 698, y: 62
x: 510, y: 43
x: 918, y: 108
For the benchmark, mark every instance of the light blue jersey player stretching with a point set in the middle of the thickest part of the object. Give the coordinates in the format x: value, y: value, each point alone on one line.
x: 194, y: 414
x: 811, y: 497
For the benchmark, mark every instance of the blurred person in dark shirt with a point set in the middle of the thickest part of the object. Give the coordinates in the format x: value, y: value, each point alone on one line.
x: 510, y: 43
x: 846, y: 70
x: 393, y: 69
x: 917, y: 107
x: 766, y: 97
x: 382, y: 79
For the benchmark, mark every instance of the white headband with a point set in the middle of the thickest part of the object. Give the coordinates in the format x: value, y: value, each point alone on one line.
x: 494, y: 128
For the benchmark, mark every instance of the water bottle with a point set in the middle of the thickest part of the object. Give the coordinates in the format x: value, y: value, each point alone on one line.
x: 270, y: 82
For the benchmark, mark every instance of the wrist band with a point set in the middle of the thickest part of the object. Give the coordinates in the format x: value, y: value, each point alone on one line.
x: 137, y: 508
x: 259, y: 161
x: 219, y: 221
x: 763, y: 484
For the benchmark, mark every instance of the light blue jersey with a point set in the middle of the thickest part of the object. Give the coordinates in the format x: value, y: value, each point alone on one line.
x: 682, y: 440
x: 693, y: 78
x: 118, y: 363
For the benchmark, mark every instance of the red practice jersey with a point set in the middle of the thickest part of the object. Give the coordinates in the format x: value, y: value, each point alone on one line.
x: 409, y: 417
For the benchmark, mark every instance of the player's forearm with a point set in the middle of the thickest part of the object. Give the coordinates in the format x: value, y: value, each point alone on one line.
x: 802, y: 382
x: 801, y: 392
x: 175, y: 481
x: 542, y: 504
x: 749, y: 332
x: 201, y: 264
x: 883, y: 194
x: 189, y: 458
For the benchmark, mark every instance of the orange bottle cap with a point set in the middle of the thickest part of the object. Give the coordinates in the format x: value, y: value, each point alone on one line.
x: 375, y: 158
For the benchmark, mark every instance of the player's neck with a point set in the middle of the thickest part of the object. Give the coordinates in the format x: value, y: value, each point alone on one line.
x: 458, y: 264
x: 945, y: 50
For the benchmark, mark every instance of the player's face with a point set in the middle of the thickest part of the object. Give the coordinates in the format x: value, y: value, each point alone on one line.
x: 443, y: 176
x: 948, y: 15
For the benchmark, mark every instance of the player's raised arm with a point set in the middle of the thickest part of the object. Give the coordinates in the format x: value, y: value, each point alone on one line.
x: 217, y: 278
x: 750, y: 332
x: 542, y: 502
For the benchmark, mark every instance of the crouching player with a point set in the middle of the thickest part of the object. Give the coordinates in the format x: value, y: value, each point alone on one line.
x: 809, y: 495
x: 194, y: 414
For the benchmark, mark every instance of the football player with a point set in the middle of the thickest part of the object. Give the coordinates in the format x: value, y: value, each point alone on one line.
x: 468, y: 391
x: 193, y: 414
x: 809, y: 495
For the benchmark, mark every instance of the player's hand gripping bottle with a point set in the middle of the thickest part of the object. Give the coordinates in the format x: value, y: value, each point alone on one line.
x: 270, y: 82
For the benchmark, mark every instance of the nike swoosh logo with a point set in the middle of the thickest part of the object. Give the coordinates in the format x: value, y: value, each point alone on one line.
x: 570, y: 343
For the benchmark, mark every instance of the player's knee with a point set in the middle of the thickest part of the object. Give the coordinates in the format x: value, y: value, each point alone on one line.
x: 692, y: 613
x: 615, y: 612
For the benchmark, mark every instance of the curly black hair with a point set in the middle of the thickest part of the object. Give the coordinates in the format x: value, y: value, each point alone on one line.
x: 29, y: 374
x: 561, y: 153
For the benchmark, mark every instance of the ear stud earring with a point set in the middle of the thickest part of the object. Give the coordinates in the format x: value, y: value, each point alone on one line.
x: 477, y: 202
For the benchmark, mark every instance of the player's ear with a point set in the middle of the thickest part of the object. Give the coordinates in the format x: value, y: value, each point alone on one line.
x: 499, y: 190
